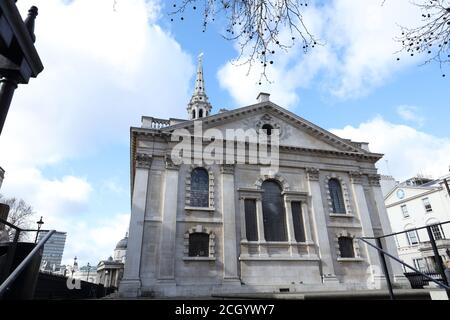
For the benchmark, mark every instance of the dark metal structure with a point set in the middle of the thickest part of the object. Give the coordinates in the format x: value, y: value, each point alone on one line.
x: 19, y: 60
x: 440, y: 280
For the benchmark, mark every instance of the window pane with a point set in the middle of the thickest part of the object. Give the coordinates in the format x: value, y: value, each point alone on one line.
x: 199, y: 188
x: 412, y: 237
x: 405, y: 211
x: 436, y: 232
x: 427, y: 204
x: 198, y: 245
x: 297, y: 219
x: 346, y: 247
x: 273, y: 212
x: 251, y: 228
x: 337, y: 198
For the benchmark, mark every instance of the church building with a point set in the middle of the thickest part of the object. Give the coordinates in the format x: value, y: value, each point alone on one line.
x: 202, y: 227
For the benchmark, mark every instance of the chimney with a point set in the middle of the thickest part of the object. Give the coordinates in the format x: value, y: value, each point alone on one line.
x: 263, y: 97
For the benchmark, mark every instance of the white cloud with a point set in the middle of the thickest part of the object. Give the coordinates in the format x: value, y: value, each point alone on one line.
x: 407, y: 150
x: 357, y: 53
x: 104, y: 68
x: 411, y: 114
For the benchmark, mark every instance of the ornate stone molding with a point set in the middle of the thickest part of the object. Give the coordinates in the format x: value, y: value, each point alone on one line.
x: 200, y: 229
x: 355, y: 177
x: 170, y: 165
x: 227, y: 169
x: 345, y: 194
x: 312, y: 174
x: 143, y: 161
x: 374, y: 180
x: 277, y: 177
x: 346, y: 233
x: 211, y: 186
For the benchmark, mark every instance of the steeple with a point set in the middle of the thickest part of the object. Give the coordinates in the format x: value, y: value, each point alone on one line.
x: 199, y: 106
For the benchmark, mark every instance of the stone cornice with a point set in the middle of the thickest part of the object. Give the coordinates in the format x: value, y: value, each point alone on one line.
x: 227, y: 169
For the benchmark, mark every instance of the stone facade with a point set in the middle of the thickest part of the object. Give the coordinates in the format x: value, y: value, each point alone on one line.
x: 159, y: 262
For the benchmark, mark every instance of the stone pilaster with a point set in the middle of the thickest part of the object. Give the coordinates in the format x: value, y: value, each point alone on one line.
x: 131, y: 283
x: 166, y: 269
x: 230, y: 262
x: 320, y: 226
x: 363, y: 212
x: 389, y: 243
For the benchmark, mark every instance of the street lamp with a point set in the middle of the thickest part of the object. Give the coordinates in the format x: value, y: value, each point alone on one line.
x: 19, y: 60
x: 39, y: 223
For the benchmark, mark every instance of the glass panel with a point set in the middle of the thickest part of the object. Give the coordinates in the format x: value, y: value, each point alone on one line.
x: 199, y: 188
x: 346, y: 247
x: 436, y: 232
x: 251, y: 228
x: 412, y: 237
x: 198, y: 245
x: 273, y: 212
x: 337, y: 198
x: 297, y: 219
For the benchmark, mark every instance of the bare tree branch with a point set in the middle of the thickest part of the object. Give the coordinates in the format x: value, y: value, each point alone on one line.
x: 432, y: 36
x: 256, y: 25
x: 20, y: 214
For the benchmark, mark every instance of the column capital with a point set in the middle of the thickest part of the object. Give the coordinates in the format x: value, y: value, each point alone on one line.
x: 374, y: 180
x: 312, y: 174
x: 355, y: 177
x: 227, y: 169
x: 170, y: 165
x: 143, y: 161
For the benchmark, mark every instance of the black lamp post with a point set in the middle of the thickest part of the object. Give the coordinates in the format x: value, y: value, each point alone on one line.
x: 39, y: 223
x: 19, y: 60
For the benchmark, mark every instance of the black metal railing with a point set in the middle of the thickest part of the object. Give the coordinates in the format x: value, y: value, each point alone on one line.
x: 438, y: 277
x: 7, y: 275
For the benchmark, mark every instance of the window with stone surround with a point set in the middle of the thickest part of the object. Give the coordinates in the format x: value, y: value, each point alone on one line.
x: 337, y: 195
x: 199, y: 242
x: 199, y: 188
x: 273, y: 212
x: 346, y: 246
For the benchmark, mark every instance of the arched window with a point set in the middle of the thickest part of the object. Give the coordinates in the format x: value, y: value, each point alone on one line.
x: 200, y: 113
x: 273, y: 212
x: 193, y: 114
x: 346, y: 247
x: 199, y: 244
x: 199, y: 188
x: 337, y: 198
x: 267, y: 128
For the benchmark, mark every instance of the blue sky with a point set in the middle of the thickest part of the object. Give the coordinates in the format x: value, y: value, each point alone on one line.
x: 65, y: 145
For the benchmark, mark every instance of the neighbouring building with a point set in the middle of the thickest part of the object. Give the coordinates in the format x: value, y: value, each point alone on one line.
x: 53, y: 250
x: 416, y: 203
x: 2, y: 176
x: 240, y: 227
x: 110, y: 272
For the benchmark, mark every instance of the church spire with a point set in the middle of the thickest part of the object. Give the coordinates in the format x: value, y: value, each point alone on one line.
x: 199, y: 105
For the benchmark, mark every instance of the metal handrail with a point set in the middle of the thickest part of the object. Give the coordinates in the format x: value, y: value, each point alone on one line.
x: 404, y: 263
x: 7, y: 283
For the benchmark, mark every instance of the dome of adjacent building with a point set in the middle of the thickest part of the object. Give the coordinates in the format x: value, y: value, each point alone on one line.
x: 122, y: 244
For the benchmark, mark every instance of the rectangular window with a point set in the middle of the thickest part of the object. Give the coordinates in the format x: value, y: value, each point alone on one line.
x: 297, y: 220
x: 427, y: 204
x: 412, y: 237
x: 420, y: 264
x: 251, y: 227
x: 405, y: 211
x: 438, y: 233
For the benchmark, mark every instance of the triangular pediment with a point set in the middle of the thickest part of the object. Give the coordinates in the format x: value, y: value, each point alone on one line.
x: 403, y: 193
x: 294, y: 130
